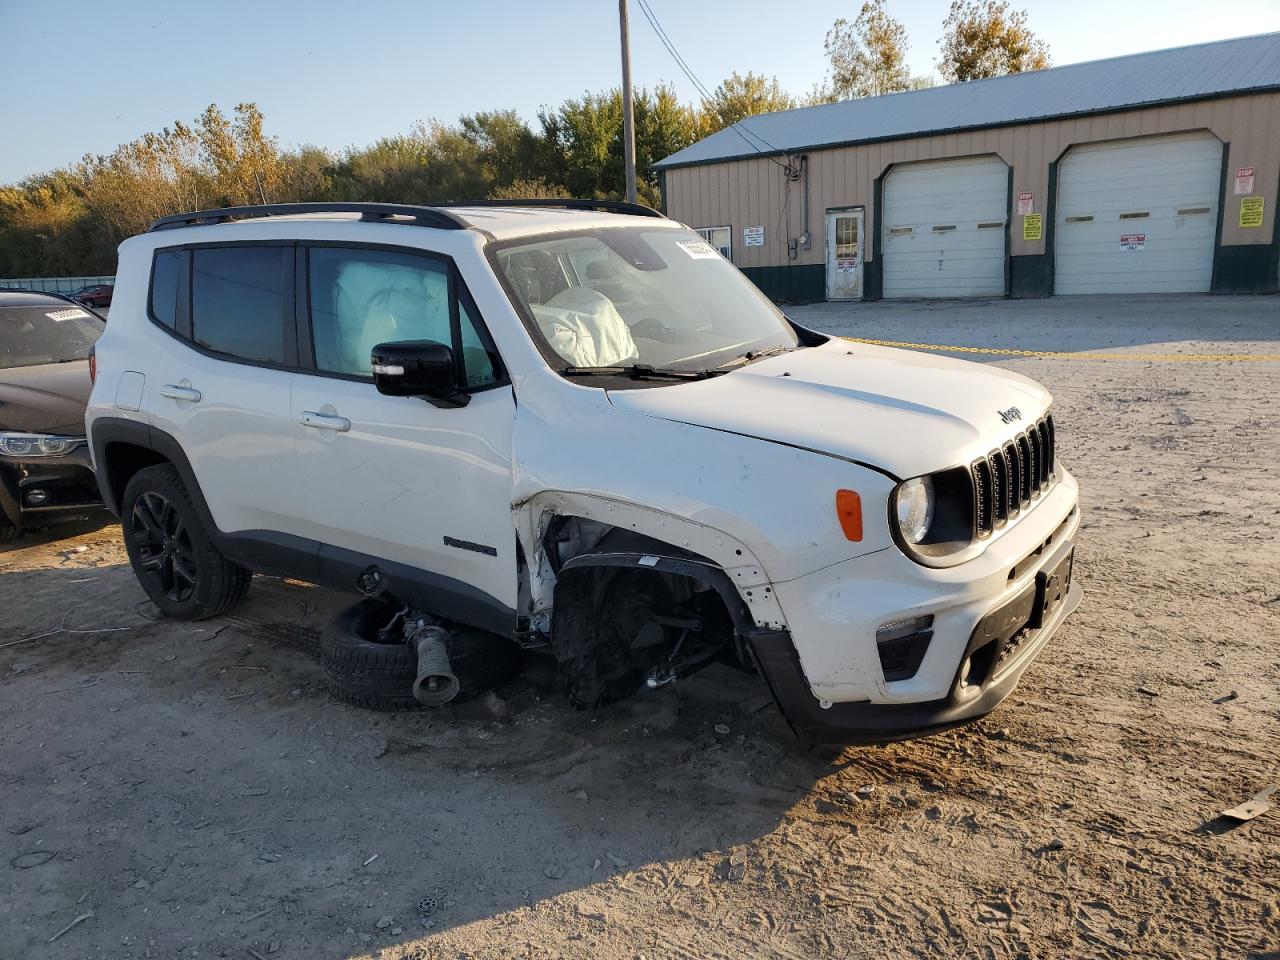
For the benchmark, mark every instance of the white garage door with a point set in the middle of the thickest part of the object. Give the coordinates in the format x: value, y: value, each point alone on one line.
x: 943, y: 229
x: 1138, y: 216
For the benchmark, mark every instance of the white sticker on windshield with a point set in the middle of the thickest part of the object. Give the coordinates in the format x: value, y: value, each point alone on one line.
x: 72, y: 314
x: 698, y: 249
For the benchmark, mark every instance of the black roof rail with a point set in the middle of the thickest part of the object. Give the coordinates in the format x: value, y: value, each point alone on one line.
x: 435, y: 215
x: 416, y: 215
x: 606, y: 206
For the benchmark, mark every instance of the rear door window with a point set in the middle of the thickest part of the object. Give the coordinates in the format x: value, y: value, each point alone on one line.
x: 238, y: 300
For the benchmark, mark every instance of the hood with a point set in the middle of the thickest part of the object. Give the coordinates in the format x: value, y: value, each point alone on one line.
x: 899, y: 411
x: 49, y: 398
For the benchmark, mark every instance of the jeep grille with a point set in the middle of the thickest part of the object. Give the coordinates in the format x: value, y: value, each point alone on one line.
x: 1010, y: 477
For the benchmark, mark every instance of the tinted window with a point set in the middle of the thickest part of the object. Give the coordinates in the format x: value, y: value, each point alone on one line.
x: 237, y: 301
x: 361, y: 298
x: 478, y: 359
x: 50, y: 333
x: 164, y: 287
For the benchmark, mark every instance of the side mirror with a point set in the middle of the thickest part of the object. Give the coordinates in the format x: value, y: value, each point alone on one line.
x: 417, y: 368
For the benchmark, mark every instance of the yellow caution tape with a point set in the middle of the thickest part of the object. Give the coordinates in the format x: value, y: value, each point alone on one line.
x: 1070, y: 355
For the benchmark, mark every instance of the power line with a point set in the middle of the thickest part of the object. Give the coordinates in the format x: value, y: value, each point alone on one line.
x: 698, y: 84
x: 701, y: 88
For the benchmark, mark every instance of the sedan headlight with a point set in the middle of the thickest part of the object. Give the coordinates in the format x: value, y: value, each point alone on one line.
x: 36, y: 444
x: 932, y: 516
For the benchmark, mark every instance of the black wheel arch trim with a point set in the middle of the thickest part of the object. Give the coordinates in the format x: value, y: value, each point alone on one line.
x: 635, y: 551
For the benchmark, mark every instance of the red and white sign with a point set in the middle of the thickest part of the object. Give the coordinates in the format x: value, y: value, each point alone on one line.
x: 1133, y: 241
x: 1244, y: 181
x: 1026, y: 203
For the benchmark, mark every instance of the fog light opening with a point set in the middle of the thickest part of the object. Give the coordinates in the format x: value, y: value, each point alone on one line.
x: 37, y: 497
x: 902, y: 645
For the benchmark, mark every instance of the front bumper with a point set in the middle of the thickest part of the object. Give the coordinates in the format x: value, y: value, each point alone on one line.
x: 39, y: 490
x: 817, y: 721
x: 990, y: 619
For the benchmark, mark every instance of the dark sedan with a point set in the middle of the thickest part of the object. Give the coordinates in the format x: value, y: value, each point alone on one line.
x: 94, y: 295
x: 45, y: 471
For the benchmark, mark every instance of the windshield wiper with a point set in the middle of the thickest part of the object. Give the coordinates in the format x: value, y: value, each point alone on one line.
x: 641, y: 371
x: 752, y: 355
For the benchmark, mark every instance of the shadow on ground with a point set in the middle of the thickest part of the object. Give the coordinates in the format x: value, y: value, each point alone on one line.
x: 198, y: 788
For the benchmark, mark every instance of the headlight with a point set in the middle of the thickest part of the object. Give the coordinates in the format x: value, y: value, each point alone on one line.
x: 915, y: 508
x: 37, y: 444
x: 932, y: 516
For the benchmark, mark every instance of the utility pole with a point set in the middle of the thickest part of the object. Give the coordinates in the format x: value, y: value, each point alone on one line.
x: 628, y: 109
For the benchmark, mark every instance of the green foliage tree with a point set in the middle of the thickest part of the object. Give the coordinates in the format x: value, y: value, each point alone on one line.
x: 984, y: 38
x: 741, y: 96
x: 583, y: 141
x: 868, y: 56
x: 245, y: 162
x: 70, y: 221
x: 535, y: 189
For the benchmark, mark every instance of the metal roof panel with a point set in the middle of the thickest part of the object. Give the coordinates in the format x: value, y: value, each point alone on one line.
x: 1224, y: 67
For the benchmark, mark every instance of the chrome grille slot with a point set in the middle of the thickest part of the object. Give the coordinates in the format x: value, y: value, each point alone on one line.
x: 1025, y: 466
x: 1049, y: 440
x: 999, y: 486
x: 1015, y: 479
x: 983, y: 501
x: 1033, y: 461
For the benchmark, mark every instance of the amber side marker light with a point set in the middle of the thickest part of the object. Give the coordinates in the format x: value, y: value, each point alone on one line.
x: 849, y: 511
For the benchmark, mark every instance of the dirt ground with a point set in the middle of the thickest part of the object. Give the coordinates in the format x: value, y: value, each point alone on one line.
x: 192, y: 791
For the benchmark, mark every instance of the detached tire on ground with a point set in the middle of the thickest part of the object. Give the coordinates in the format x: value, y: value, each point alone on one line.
x: 379, y: 676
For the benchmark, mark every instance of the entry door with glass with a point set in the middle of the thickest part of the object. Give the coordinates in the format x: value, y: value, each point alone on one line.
x: 844, y: 254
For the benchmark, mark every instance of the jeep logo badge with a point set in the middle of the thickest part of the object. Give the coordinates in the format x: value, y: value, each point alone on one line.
x: 1010, y: 415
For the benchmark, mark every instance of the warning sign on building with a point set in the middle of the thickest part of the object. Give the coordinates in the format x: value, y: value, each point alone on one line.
x: 753, y: 236
x: 1133, y: 241
x: 1244, y: 181
x: 1251, y: 212
x: 1026, y: 203
x: 1032, y: 226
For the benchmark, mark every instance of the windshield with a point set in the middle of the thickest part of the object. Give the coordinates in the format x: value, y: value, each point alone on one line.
x: 52, y: 333
x: 626, y: 296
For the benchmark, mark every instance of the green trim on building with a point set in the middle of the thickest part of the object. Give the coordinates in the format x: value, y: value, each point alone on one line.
x: 794, y: 283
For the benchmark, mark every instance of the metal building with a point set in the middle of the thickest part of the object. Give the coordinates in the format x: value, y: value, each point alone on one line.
x: 1156, y: 172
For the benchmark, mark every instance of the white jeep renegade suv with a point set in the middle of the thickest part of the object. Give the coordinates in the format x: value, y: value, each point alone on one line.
x: 576, y: 426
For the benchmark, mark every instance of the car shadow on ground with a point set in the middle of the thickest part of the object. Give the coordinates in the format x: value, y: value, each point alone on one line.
x: 204, y: 768
x: 40, y: 536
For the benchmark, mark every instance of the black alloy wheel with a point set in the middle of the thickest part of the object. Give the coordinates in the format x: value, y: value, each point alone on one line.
x: 172, y: 549
x: 166, y: 554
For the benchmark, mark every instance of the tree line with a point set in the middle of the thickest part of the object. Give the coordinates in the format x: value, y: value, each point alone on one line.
x: 69, y: 221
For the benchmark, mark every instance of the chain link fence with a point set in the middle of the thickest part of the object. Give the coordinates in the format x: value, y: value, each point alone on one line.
x: 54, y: 284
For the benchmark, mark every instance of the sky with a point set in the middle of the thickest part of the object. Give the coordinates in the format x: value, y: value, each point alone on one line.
x: 82, y: 76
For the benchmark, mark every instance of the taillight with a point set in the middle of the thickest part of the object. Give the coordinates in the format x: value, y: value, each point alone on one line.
x: 93, y: 366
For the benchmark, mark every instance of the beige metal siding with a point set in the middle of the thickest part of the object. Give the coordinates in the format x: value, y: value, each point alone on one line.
x: 744, y: 193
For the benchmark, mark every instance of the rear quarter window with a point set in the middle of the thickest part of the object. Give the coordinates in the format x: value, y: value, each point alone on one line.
x: 164, y: 287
